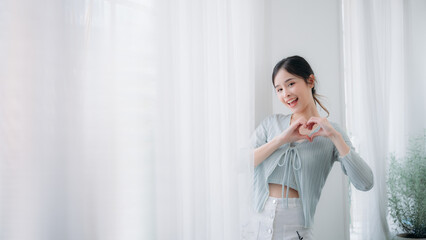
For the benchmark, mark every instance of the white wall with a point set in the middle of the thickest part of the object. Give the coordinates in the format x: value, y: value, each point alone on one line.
x: 263, y: 100
x: 415, y: 22
x: 310, y: 29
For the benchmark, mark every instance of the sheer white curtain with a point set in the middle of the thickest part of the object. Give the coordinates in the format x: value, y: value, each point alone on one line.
x: 125, y: 119
x: 76, y: 101
x: 206, y: 115
x: 374, y: 69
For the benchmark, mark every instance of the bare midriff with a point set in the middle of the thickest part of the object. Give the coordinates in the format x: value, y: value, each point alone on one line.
x: 275, y: 190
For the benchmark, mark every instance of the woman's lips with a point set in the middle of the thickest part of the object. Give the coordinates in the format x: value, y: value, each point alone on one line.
x: 293, y: 104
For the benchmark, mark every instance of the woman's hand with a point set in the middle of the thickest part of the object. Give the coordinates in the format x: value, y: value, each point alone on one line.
x: 292, y: 134
x: 326, y: 130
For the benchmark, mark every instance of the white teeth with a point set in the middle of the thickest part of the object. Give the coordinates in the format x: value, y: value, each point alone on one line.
x: 292, y: 101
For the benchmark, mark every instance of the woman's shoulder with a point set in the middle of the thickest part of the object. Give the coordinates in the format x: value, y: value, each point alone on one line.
x: 279, y: 116
x: 337, y: 126
x: 276, y: 118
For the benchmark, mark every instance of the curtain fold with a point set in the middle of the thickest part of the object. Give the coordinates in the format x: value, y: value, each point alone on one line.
x: 206, y: 104
x: 77, y: 95
x: 126, y: 119
x: 375, y: 97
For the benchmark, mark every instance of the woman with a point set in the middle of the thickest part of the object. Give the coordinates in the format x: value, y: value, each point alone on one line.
x: 293, y: 156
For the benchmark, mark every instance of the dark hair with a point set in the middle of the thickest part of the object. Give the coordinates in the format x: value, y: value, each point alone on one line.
x: 298, y: 66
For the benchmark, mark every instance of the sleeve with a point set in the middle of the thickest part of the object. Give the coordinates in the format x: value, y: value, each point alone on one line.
x: 354, y: 166
x: 259, y: 136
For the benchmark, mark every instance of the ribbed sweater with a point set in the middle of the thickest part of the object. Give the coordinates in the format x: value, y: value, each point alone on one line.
x: 309, y: 162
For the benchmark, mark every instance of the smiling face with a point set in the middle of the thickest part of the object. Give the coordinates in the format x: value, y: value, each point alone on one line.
x: 294, y: 92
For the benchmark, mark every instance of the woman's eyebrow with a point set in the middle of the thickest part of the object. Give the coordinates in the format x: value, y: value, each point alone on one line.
x: 285, y: 82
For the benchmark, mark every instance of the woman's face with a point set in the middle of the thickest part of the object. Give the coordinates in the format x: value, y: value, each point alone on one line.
x: 293, y: 92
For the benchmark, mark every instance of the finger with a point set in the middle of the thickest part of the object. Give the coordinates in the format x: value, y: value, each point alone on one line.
x: 317, y: 128
x: 298, y: 129
x: 314, y: 120
x: 319, y: 133
x: 310, y: 124
x: 308, y: 138
x: 296, y: 125
x: 301, y: 121
x: 303, y: 137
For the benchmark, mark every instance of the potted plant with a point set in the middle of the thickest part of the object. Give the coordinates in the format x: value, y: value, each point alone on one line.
x: 407, y: 190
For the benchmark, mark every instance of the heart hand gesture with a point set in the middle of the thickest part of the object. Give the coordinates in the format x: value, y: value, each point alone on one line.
x: 292, y: 134
x: 326, y: 130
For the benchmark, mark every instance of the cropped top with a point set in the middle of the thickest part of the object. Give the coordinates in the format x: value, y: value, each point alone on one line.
x: 303, y: 166
x: 281, y: 176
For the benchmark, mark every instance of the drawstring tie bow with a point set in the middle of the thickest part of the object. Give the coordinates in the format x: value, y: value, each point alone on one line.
x: 291, y: 161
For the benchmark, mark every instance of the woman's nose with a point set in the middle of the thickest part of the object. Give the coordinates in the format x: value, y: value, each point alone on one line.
x: 285, y: 93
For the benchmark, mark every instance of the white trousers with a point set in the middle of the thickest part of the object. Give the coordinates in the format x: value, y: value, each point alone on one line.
x: 278, y: 222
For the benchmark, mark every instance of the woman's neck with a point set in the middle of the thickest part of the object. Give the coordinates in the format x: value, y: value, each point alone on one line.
x: 307, y: 114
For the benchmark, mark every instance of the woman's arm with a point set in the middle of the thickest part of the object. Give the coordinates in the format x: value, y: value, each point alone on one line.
x: 358, y: 171
x: 340, y: 143
x: 264, y: 151
x: 353, y: 165
x: 291, y: 134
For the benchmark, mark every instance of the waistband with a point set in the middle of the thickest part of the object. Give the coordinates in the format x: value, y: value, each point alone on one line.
x: 282, y: 202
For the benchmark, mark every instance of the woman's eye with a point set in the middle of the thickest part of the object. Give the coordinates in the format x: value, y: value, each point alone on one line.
x: 279, y: 90
x: 291, y: 84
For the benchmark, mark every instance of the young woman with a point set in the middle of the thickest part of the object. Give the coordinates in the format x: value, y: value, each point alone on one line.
x: 293, y: 156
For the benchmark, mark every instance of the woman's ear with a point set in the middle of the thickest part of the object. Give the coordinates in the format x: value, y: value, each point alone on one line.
x: 311, y: 81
